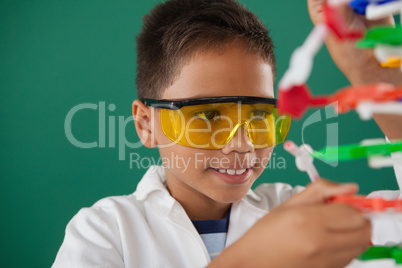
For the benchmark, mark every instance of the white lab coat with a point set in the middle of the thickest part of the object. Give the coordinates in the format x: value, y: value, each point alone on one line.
x: 151, y: 229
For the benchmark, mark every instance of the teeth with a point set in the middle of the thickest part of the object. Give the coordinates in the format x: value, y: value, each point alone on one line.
x: 240, y: 171
x: 232, y: 171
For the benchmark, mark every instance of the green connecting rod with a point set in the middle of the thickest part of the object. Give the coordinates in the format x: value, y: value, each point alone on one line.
x: 383, y: 252
x: 357, y: 151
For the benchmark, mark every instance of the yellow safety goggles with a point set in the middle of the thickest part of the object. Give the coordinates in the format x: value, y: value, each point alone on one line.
x: 210, y: 123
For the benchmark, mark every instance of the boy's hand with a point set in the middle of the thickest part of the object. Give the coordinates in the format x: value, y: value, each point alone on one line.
x: 303, y: 232
x: 359, y: 65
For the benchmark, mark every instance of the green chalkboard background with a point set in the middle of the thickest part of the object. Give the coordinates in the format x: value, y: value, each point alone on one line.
x: 55, y: 55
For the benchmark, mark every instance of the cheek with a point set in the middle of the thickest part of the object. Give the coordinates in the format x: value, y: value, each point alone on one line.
x: 263, y: 156
x: 183, y: 158
x: 163, y: 141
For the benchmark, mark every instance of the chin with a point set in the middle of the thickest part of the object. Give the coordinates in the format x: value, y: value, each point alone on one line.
x: 230, y: 196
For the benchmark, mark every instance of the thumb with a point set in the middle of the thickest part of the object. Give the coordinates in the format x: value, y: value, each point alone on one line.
x: 317, y: 14
x: 322, y: 190
x: 316, y: 10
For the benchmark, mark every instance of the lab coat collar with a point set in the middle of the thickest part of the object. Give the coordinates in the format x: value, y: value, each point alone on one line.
x: 153, y: 180
x: 244, y: 214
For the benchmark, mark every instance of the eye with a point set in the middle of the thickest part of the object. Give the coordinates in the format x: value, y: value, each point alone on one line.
x: 259, y: 114
x: 208, y: 115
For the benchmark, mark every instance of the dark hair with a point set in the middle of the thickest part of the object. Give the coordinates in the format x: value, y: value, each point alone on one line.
x: 177, y: 28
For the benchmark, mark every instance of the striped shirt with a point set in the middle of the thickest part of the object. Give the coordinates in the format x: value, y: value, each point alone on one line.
x: 213, y: 233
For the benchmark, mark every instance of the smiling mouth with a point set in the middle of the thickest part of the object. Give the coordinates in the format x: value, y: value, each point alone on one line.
x: 231, y: 171
x: 233, y: 176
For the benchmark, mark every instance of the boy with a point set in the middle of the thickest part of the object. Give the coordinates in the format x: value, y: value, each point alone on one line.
x: 214, y: 63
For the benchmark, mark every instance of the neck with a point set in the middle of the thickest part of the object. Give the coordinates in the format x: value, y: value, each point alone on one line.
x: 197, y: 205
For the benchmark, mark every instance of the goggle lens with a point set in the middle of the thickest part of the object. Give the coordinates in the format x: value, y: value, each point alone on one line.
x: 212, y: 126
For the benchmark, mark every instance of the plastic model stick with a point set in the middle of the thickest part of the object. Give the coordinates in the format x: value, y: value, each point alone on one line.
x: 383, y: 252
x: 388, y: 56
x: 297, y: 100
x: 301, y: 62
x: 349, y: 97
x: 375, y: 204
x: 294, y: 95
x: 382, y: 35
x: 304, y: 161
x: 360, y: 6
x: 381, y: 161
x: 387, y: 44
x: 366, y: 109
x: 357, y: 151
x: 337, y: 24
x: 375, y: 11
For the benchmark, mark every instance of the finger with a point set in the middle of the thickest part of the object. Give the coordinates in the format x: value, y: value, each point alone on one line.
x: 358, y: 237
x: 342, y: 217
x: 354, y: 237
x: 322, y: 190
x: 344, y: 257
x: 329, y: 218
x: 316, y: 10
x: 336, y: 245
x: 317, y: 15
x: 389, y: 20
x: 345, y: 246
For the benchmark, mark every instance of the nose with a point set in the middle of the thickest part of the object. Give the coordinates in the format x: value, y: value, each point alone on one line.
x: 239, y: 141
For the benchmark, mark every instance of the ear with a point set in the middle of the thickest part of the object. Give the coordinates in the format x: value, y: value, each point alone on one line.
x: 144, y: 124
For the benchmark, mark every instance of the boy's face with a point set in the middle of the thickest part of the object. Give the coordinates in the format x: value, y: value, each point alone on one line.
x: 193, y: 174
